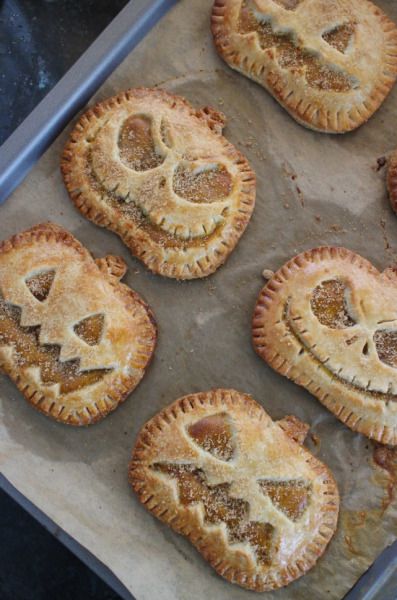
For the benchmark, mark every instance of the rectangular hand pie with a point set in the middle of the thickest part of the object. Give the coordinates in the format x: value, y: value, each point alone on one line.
x: 73, y: 338
x: 330, y: 64
x: 158, y: 172
x: 328, y: 321
x: 257, y: 505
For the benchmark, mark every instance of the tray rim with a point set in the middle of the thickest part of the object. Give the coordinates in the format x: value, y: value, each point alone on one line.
x: 89, y: 559
x: 33, y: 136
x: 17, y: 158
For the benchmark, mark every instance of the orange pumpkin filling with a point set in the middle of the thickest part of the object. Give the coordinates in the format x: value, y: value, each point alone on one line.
x: 30, y: 353
x: 214, y: 434
x: 204, y: 185
x: 329, y: 305
x: 290, y: 54
x: 136, y: 145
x: 339, y: 37
x: 220, y: 507
x: 291, y: 497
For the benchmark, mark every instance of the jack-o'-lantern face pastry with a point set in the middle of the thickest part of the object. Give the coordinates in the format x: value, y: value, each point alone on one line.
x: 158, y: 172
x: 330, y: 64
x: 392, y: 180
x: 328, y: 321
x: 73, y: 338
x: 256, y: 504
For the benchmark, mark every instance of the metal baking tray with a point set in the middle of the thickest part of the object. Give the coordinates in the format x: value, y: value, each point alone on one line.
x: 25, y: 146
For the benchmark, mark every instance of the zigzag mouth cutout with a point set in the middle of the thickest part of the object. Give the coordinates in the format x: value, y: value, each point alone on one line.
x: 133, y: 211
x: 288, y: 321
x: 221, y: 508
x: 30, y: 353
x: 291, y: 54
x: 291, y: 497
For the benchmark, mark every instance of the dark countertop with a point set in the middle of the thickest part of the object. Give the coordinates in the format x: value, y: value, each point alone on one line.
x: 36, y: 566
x: 39, y: 41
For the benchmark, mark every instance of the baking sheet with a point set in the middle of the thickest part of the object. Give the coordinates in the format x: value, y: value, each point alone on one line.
x: 28, y: 142
x: 312, y: 189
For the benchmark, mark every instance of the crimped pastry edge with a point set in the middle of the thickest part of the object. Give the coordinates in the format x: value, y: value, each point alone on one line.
x: 118, y: 390
x: 220, y: 398
x: 268, y: 352
x: 292, y: 103
x: 139, y: 243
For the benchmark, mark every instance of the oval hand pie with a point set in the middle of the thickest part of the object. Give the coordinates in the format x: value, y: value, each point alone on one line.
x: 256, y: 504
x: 159, y: 173
x: 392, y: 180
x: 328, y: 321
x: 329, y: 64
x: 73, y: 338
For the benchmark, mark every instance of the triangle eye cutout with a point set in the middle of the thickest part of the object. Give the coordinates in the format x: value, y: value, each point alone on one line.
x: 339, y: 37
x: 40, y: 284
x: 214, y: 434
x: 291, y: 497
x: 328, y: 303
x: 90, y: 329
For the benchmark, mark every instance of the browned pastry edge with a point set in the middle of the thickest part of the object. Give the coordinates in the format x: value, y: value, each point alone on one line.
x: 264, y: 347
x: 322, y: 122
x: 392, y: 180
x: 113, y: 268
x: 137, y: 239
x: 185, y: 524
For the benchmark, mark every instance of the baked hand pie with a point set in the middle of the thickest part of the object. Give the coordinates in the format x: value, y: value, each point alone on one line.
x: 327, y: 320
x: 73, y: 338
x: 392, y: 180
x: 159, y: 173
x: 256, y: 504
x: 330, y: 64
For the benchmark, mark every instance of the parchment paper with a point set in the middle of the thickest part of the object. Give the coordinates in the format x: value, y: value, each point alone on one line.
x: 312, y: 189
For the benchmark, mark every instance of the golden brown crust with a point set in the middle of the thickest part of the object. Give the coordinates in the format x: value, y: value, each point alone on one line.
x: 329, y: 63
x: 392, y: 180
x: 176, y: 436
x: 294, y: 428
x: 53, y: 352
x: 173, y: 235
x: 327, y: 321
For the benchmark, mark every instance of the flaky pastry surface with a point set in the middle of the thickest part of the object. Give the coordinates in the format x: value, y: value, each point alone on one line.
x: 327, y: 320
x: 255, y: 503
x: 330, y: 63
x: 73, y: 338
x: 159, y: 173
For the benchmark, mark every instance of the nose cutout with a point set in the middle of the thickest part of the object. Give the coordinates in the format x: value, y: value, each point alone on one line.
x: 166, y: 133
x: 40, y: 284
